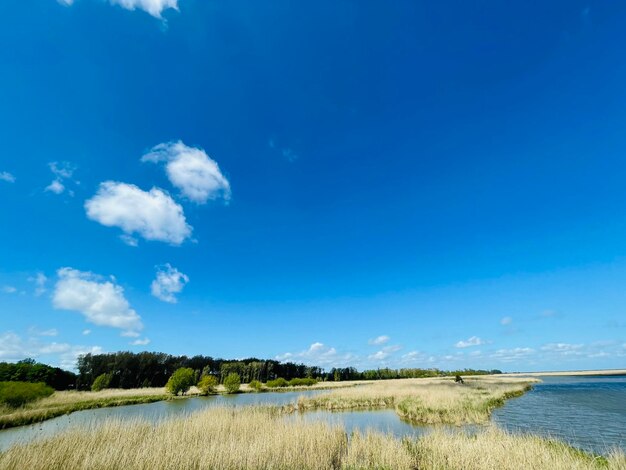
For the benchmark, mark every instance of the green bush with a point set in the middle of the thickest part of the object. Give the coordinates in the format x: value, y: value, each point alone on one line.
x: 207, y: 384
x: 102, y: 381
x: 232, y: 383
x: 16, y: 394
x: 256, y: 385
x: 180, y: 381
x: 307, y: 382
x: 277, y: 383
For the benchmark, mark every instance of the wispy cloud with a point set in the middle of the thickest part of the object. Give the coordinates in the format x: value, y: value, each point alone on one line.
x: 153, y: 7
x: 320, y: 354
x: 472, y: 341
x: 379, y: 340
x: 8, y: 289
x: 504, y: 321
x: 40, y: 281
x: 6, y: 176
x: 169, y: 282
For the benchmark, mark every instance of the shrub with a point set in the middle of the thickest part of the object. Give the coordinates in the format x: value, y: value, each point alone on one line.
x: 307, y: 382
x: 102, y: 381
x: 255, y: 385
x: 15, y: 394
x: 232, y: 383
x: 277, y: 383
x: 180, y: 381
x: 207, y: 384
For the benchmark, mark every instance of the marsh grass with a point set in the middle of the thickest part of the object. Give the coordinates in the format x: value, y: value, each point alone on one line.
x: 426, y: 401
x: 260, y: 438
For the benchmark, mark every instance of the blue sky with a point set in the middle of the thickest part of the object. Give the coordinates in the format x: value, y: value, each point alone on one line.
x: 404, y: 184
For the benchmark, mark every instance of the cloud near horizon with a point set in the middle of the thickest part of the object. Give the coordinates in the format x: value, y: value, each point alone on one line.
x: 191, y: 170
x: 472, y: 341
x: 101, y: 302
x: 153, y: 214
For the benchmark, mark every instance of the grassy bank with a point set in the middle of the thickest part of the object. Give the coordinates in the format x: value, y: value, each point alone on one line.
x: 66, y: 402
x: 260, y: 438
x: 426, y: 401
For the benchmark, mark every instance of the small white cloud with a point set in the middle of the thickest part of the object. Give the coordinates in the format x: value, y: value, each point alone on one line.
x: 39, y: 280
x: 379, y: 340
x: 140, y: 342
x: 564, y: 349
x: 152, y: 214
x: 37, y: 332
x: 473, y: 341
x: 514, y: 354
x: 384, y: 353
x: 320, y: 354
x: 191, y: 170
x: 130, y: 334
x: 9, y: 289
x: 55, y: 187
x: 6, y: 176
x: 506, y: 321
x: 169, y: 282
x: 100, y: 302
x: 86, y: 332
x: 153, y: 7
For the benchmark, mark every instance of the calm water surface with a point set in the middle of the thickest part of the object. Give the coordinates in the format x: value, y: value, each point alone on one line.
x: 587, y: 412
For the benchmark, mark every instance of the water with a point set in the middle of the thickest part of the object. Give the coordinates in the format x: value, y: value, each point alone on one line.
x: 586, y: 412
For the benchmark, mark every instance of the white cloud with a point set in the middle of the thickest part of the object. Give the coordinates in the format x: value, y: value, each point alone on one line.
x: 564, y: 349
x: 384, y: 353
x: 140, y: 342
x: 169, y: 282
x: 191, y: 170
x: 322, y: 355
x: 514, y: 354
x: 506, y: 321
x: 152, y: 214
x: 473, y: 341
x: 101, y: 302
x: 61, y: 171
x: 14, y: 348
x: 39, y: 280
x: 6, y: 176
x: 55, y: 187
x: 8, y: 289
x: 379, y: 340
x: 37, y: 332
x: 130, y: 334
x: 153, y: 7
x: 86, y: 332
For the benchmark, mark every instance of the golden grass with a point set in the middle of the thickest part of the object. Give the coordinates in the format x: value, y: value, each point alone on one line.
x: 260, y: 438
x: 495, y: 449
x: 426, y: 401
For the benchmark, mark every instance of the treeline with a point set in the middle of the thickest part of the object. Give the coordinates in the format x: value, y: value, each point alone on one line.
x: 152, y: 369
x: 350, y: 373
x: 28, y: 370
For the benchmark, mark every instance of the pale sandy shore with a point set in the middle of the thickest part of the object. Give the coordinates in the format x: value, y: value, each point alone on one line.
x: 570, y: 373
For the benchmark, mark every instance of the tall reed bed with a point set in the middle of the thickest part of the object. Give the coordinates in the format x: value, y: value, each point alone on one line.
x: 260, y: 438
x: 426, y: 401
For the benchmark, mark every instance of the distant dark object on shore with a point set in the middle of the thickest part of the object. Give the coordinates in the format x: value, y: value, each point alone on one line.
x: 458, y: 379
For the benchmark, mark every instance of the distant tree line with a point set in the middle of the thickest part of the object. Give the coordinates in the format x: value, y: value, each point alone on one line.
x: 350, y: 373
x: 152, y: 369
x: 30, y: 371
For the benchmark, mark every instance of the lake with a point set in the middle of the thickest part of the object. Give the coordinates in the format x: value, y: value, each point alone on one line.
x: 587, y: 412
